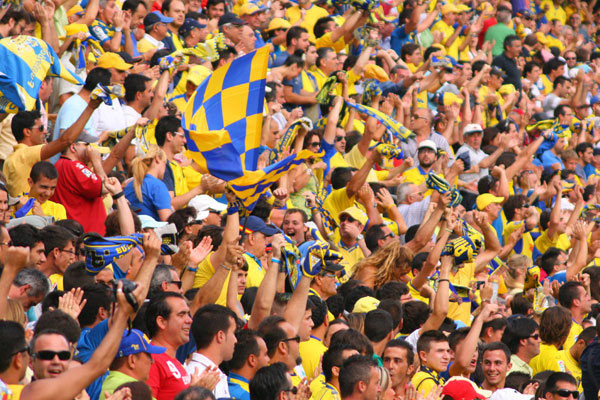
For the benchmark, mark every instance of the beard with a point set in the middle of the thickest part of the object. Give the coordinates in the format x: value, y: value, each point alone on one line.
x: 426, y: 165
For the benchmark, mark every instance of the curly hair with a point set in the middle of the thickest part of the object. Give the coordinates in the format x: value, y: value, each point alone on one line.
x: 391, y: 261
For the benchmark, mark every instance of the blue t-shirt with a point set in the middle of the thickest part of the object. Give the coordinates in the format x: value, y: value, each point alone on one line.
x: 548, y: 158
x: 155, y: 196
x: 70, y: 111
x: 399, y: 38
x: 280, y: 60
x: 88, y: 342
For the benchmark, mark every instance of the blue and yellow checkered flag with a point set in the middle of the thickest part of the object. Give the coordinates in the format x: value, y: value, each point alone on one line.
x: 253, y: 184
x: 223, y: 118
x: 26, y: 62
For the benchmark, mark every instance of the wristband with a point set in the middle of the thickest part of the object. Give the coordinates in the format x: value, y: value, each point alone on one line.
x: 191, y: 269
x: 275, y: 260
x: 443, y: 280
x: 118, y: 29
x: 448, y: 230
x: 225, y: 267
x: 118, y: 195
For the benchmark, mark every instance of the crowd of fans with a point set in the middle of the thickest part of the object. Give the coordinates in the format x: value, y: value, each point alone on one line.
x: 454, y: 254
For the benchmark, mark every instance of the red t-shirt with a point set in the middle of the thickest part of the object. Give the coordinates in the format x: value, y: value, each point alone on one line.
x: 79, y: 189
x: 167, y: 377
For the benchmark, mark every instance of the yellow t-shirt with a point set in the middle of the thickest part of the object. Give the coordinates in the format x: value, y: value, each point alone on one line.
x: 50, y: 208
x: 554, y: 42
x: 355, y: 159
x: 417, y: 176
x: 313, y: 14
x: 548, y: 84
x: 256, y: 273
x: 576, y: 329
x: 311, y: 352
x: 336, y: 202
x: 555, y: 12
x: 351, y: 255
x: 572, y: 366
x: 181, y: 186
x: 325, y: 41
x: 16, y: 391
x: 447, y: 31
x: 544, y: 242
x: 56, y: 281
x: 463, y: 277
x: 327, y: 392
x: 204, y: 273
x: 524, y: 246
x: 425, y: 382
x: 548, y: 359
x: 17, y: 167
x: 143, y: 45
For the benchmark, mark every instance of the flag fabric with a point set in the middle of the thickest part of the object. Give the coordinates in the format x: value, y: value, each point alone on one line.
x: 100, y: 252
x: 223, y: 118
x: 26, y: 62
x: 288, y: 137
x: 253, y: 184
x: 394, y: 127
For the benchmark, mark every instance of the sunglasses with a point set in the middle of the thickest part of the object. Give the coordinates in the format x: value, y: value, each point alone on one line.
x: 292, y: 339
x: 315, y: 144
x: 347, y: 218
x: 48, y: 355
x: 292, y: 390
x: 535, y: 336
x: 340, y: 138
x: 570, y: 58
x: 389, y: 235
x: 176, y: 283
x: 566, y: 393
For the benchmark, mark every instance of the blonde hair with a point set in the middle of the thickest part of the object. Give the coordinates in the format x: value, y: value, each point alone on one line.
x: 141, y: 165
x: 15, y: 312
x: 516, y: 265
x: 388, y: 260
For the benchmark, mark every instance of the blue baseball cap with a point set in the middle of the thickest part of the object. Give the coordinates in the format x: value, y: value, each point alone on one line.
x: 155, y: 17
x: 188, y: 25
x: 134, y: 342
x: 255, y: 224
x: 594, y: 100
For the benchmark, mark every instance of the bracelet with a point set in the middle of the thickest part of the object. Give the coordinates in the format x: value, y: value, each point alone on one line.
x: 389, y: 207
x: 191, y: 269
x: 225, y: 267
x: 118, y: 29
x: 118, y: 195
x: 443, y: 280
x: 275, y: 260
x: 448, y: 230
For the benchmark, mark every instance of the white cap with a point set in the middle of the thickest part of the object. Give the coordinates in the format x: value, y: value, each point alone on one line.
x: 472, y: 128
x: 510, y: 394
x: 149, y: 222
x: 428, y: 144
x: 565, y: 204
x: 204, y: 204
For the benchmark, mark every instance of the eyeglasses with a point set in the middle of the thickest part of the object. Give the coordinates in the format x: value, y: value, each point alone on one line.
x: 415, y: 116
x: 176, y: 283
x: 570, y: 58
x: 389, y: 235
x: 315, y: 144
x: 340, y: 138
x: 48, y: 355
x: 178, y: 134
x: 566, y: 393
x: 69, y: 251
x: 330, y: 275
x: 292, y: 339
x: 292, y: 390
x: 535, y: 336
x: 347, y: 218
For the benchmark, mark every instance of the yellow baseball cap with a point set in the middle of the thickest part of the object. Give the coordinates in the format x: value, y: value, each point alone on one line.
x: 374, y: 71
x: 197, y: 74
x: 450, y: 8
x: 279, y: 23
x: 76, y: 9
x: 365, y: 304
x: 448, y: 98
x: 249, y: 9
x: 355, y: 213
x: 112, y: 60
x: 484, y: 200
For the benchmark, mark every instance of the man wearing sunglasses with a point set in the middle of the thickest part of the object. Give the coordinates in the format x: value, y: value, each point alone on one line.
x: 522, y: 336
x: 560, y: 386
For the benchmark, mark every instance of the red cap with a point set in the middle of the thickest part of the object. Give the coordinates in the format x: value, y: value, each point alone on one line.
x: 460, y: 388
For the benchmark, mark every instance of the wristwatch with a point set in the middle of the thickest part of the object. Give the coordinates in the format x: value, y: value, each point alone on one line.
x: 360, y: 237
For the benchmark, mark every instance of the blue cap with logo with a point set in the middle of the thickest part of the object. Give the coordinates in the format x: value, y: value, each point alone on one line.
x: 255, y: 224
x: 134, y: 342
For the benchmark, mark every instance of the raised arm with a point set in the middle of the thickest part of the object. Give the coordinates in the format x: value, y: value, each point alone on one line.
x: 440, y: 305
x: 268, y: 287
x: 425, y: 231
x: 360, y: 177
x: 16, y: 259
x: 126, y: 223
x: 71, y: 133
x: 231, y: 232
x: 71, y: 382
